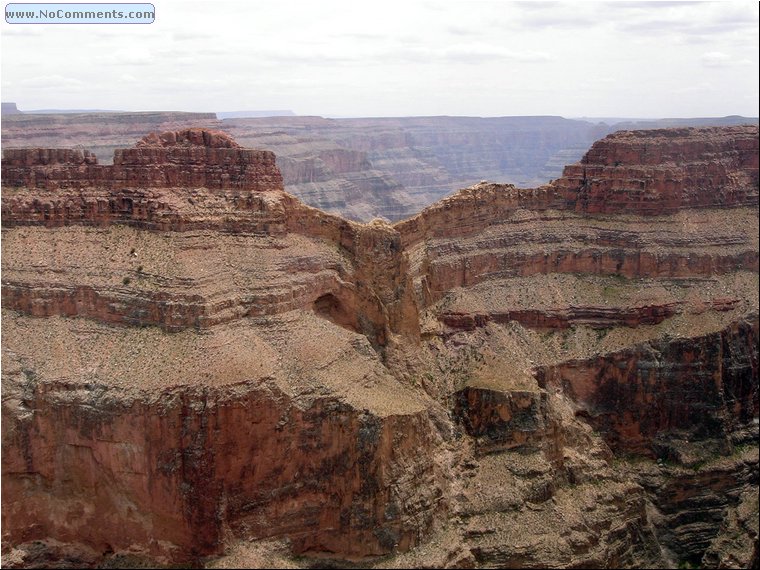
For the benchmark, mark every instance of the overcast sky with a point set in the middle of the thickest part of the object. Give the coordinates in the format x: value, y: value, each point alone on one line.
x: 414, y: 57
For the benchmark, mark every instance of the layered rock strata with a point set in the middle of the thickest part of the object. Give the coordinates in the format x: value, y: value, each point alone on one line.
x: 661, y: 171
x: 196, y: 364
x: 358, y: 168
x: 174, y: 503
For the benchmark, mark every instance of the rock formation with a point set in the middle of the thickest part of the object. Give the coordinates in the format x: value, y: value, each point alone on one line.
x: 198, y: 368
x: 661, y: 171
x: 358, y: 168
x: 10, y: 109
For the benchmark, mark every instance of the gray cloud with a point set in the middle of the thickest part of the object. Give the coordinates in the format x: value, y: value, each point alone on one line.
x: 22, y: 30
x: 538, y: 5
x: 716, y: 59
x: 693, y: 18
x: 720, y: 59
x: 660, y: 4
x: 137, y: 55
x: 559, y: 20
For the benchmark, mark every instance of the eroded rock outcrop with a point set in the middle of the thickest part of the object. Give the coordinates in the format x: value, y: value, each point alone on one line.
x: 633, y: 317
x: 186, y: 159
x: 659, y: 171
x: 196, y: 364
x: 698, y: 388
x: 165, y: 442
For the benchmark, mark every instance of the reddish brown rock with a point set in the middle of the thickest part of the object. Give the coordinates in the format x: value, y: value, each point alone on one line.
x: 193, y: 158
x: 21, y: 158
x: 540, y: 244
x: 188, y: 138
x: 517, y: 419
x: 700, y: 388
x: 595, y: 317
x: 472, y: 381
x: 660, y: 171
x: 174, y: 472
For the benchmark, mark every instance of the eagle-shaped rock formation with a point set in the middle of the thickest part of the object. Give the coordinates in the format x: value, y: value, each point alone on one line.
x: 196, y: 365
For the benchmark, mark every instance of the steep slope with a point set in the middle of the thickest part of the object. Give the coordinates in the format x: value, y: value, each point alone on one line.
x: 196, y: 364
x: 622, y: 297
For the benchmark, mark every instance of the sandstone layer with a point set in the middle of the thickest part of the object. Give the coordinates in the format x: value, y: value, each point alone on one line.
x: 198, y: 368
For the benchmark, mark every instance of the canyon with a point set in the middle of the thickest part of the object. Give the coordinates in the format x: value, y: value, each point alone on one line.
x: 200, y: 369
x: 358, y: 168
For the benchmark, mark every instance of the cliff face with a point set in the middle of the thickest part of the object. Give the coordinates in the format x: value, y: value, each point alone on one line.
x: 167, y: 441
x: 621, y: 297
x: 692, y: 389
x: 660, y: 171
x: 170, y: 474
x: 196, y: 364
x: 185, y: 160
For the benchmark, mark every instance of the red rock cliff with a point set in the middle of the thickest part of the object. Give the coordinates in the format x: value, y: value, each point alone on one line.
x: 188, y: 158
x: 153, y: 470
x: 659, y: 171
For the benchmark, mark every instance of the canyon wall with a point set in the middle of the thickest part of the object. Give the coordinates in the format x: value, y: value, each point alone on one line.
x: 199, y: 368
x: 169, y: 474
x: 358, y: 168
x: 660, y: 171
x: 621, y: 297
x: 172, y: 451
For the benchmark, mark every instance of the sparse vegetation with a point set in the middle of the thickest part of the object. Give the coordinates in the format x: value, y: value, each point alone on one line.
x: 234, y: 338
x: 610, y: 291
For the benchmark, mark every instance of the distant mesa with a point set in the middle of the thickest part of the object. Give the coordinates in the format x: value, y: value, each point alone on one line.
x: 668, y: 123
x: 71, y: 111
x: 253, y: 114
x: 10, y: 109
x: 631, y: 123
